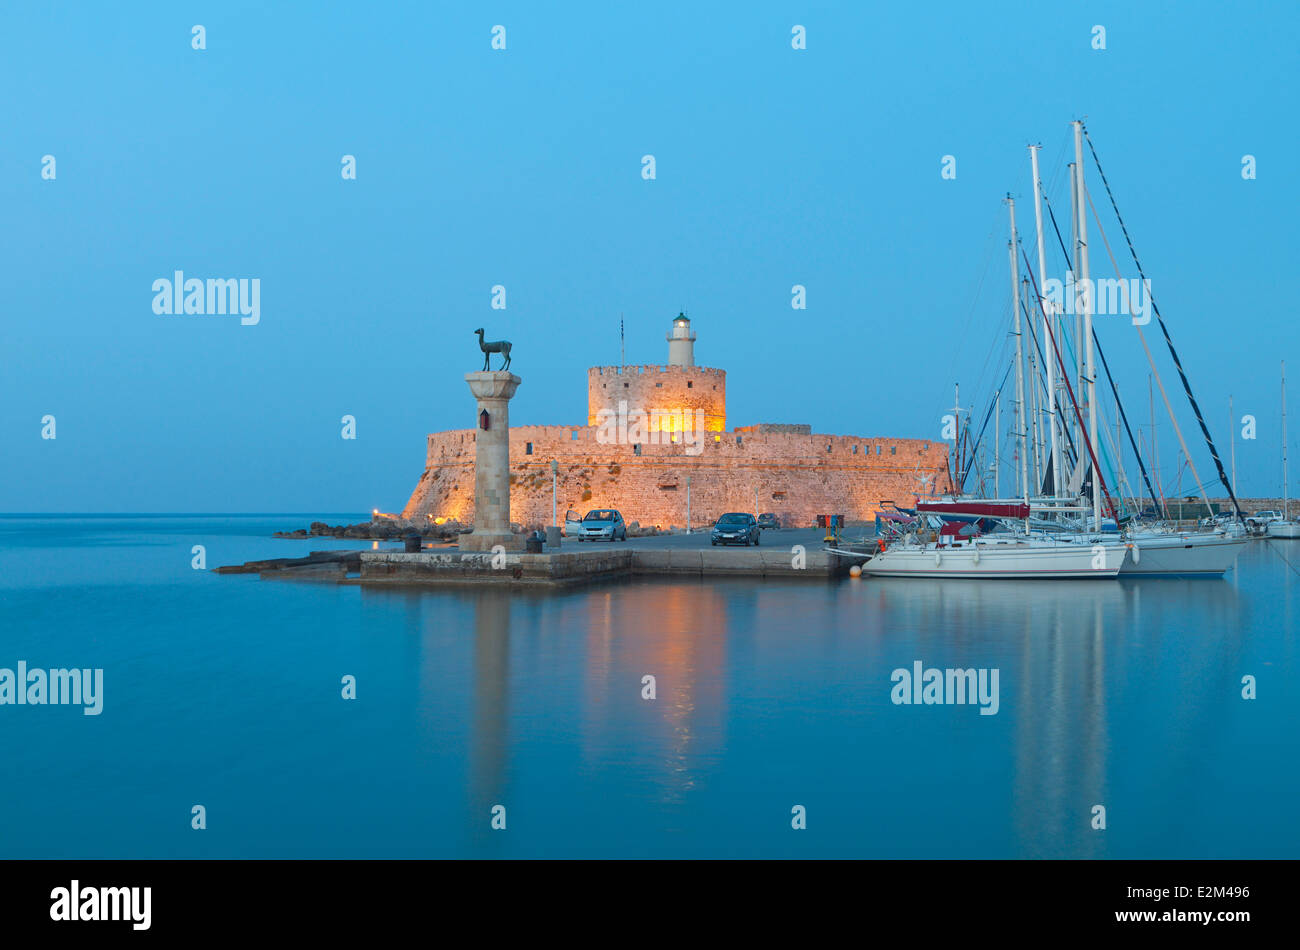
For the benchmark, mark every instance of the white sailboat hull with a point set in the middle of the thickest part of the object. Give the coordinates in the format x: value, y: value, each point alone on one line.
x: 1183, y: 554
x: 1000, y: 560
x: 1284, y: 529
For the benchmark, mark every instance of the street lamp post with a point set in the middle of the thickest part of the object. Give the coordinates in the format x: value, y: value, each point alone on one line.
x: 688, y: 504
x: 555, y: 468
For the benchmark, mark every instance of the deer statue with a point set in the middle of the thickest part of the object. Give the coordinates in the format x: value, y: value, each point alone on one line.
x: 496, y: 346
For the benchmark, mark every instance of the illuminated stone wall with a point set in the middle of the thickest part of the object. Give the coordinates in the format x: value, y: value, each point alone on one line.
x: 651, y: 389
x: 797, y: 475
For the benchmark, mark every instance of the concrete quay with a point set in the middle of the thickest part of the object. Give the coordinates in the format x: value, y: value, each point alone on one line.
x: 565, y: 569
x: 796, y: 554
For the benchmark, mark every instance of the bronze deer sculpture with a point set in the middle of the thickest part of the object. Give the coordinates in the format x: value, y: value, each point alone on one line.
x: 496, y: 346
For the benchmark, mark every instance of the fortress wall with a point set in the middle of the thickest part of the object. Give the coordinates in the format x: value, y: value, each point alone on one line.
x: 669, y: 388
x: 794, y: 475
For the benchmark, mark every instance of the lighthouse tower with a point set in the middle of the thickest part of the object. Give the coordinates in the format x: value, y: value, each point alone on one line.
x: 681, y: 342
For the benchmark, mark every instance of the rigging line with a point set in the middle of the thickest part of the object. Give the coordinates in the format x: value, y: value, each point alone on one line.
x: 975, y: 447
x: 990, y: 247
x: 1113, y: 468
x: 1042, y: 362
x: 1177, y: 429
x: 1083, y: 430
x: 1282, y: 556
x: 1187, y: 386
x: 1105, y: 365
x: 1119, y: 404
x: 1060, y: 408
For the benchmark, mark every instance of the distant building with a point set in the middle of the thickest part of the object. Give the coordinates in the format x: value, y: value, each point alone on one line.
x: 650, y: 428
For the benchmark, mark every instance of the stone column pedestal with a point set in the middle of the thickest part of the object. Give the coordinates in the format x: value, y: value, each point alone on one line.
x: 493, y: 391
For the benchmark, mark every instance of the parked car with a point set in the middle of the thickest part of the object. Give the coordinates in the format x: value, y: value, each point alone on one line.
x: 769, y: 520
x: 735, y: 527
x: 602, y: 524
x: 1258, y: 522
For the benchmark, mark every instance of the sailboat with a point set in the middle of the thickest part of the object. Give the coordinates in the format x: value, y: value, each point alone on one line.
x: 1154, y: 549
x: 959, y: 550
x: 1059, y: 512
x: 1285, y: 528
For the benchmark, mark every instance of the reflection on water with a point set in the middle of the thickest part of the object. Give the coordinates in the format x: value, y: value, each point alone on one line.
x: 490, y: 737
x: 1086, y: 669
x: 1071, y: 638
x: 1125, y: 694
x: 678, y: 635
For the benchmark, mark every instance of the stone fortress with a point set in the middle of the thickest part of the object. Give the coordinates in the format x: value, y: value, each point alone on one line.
x: 656, y: 441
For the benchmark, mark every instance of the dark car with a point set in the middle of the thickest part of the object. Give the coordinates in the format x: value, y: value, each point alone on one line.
x: 602, y: 524
x: 769, y: 520
x: 735, y: 527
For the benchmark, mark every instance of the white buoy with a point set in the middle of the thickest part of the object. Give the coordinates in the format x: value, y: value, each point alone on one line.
x: 855, y: 571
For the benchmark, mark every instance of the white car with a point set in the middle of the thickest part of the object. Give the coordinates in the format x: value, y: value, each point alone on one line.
x: 1258, y: 522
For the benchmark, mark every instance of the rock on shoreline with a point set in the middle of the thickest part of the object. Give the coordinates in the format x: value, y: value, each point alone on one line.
x: 396, y: 529
x: 388, y: 529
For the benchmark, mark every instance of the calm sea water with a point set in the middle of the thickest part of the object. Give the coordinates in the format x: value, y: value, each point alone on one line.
x: 225, y: 692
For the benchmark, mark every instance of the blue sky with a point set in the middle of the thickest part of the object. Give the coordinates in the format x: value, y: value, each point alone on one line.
x: 522, y: 168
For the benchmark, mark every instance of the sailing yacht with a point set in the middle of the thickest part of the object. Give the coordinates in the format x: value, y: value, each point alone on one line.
x: 959, y: 551
x: 1067, y: 519
x: 1156, y: 551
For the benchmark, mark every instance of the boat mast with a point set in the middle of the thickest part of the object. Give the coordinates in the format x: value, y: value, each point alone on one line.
x: 1021, y: 426
x: 1286, y: 500
x: 956, y: 434
x: 1119, y: 450
x: 1049, y: 326
x: 1155, y: 446
x: 1087, y: 318
x: 997, y: 444
x: 1033, y: 387
x: 1232, y: 435
x: 1074, y: 290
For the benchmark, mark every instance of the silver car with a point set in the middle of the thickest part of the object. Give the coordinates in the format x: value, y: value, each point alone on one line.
x: 602, y: 524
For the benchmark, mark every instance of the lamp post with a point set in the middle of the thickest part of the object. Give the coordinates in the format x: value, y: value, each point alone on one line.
x: 555, y: 468
x: 688, y: 504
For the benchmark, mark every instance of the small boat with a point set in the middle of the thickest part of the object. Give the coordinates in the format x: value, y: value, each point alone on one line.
x: 1283, y: 529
